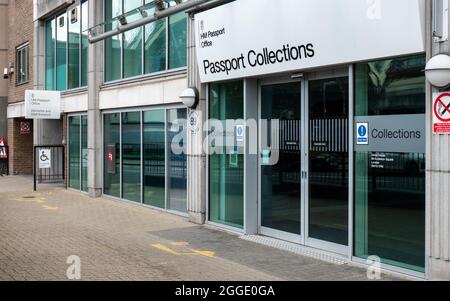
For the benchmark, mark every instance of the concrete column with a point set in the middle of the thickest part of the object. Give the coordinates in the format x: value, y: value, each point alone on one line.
x: 437, y: 178
x: 95, y: 80
x: 196, y: 158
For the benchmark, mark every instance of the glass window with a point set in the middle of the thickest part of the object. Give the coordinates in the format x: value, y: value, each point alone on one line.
x: 155, y: 45
x: 50, y: 43
x: 111, y: 144
x: 22, y: 65
x: 177, y: 169
x: 226, y: 170
x: 74, y: 152
x: 132, y: 43
x: 66, y: 49
x: 61, y: 48
x: 73, y: 50
x: 113, y: 45
x: 390, y: 186
x: 154, y: 158
x: 131, y: 156
x: 84, y: 42
x: 177, y: 40
x: 84, y: 153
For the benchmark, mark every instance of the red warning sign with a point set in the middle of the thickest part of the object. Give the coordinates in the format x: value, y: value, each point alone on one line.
x: 441, y: 114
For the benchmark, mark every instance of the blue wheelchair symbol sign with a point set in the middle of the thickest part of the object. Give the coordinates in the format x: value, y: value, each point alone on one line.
x: 363, y: 134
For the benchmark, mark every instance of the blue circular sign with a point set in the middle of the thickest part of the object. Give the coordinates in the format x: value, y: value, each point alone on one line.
x: 362, y: 130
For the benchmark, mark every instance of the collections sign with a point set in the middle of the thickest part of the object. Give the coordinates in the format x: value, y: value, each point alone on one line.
x: 441, y: 113
x: 390, y: 133
x: 42, y: 104
x: 254, y: 37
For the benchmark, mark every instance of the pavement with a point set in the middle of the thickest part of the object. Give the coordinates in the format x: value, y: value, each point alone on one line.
x: 116, y: 240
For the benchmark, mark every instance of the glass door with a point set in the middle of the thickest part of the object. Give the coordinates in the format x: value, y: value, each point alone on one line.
x: 280, y: 160
x: 328, y: 173
x: 304, y: 174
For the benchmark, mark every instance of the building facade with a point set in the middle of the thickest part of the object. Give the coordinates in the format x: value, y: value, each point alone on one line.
x: 4, y: 64
x: 20, y: 66
x: 322, y: 135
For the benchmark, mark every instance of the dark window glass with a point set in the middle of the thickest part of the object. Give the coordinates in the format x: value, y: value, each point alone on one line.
x: 390, y: 186
x: 154, y: 158
x: 74, y: 152
x: 131, y: 156
x: 113, y: 45
x: 50, y: 43
x: 73, y: 51
x: 177, y: 169
x: 226, y: 170
x: 111, y: 145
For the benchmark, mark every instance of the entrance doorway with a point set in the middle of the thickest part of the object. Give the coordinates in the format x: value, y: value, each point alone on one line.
x: 303, y: 161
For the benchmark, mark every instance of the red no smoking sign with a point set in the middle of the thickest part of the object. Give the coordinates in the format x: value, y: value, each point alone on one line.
x: 441, y: 113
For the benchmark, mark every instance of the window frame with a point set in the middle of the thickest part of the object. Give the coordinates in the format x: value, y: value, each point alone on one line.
x: 22, y: 60
x: 66, y: 13
x: 143, y: 74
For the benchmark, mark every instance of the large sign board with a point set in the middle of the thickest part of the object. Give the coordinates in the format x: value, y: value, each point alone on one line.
x: 390, y: 133
x: 255, y: 37
x: 42, y: 104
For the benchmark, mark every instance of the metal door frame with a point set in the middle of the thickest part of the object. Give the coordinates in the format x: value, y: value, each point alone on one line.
x: 303, y: 238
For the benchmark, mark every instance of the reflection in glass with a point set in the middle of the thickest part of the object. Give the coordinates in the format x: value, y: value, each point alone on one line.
x: 50, y: 42
x: 177, y: 40
x: 155, y: 44
x: 74, y: 152
x: 113, y: 8
x: 177, y: 169
x: 154, y: 158
x: 111, y: 145
x: 280, y: 183
x: 61, y: 41
x: 84, y: 153
x: 390, y: 201
x: 73, y: 51
x: 84, y: 42
x: 132, y: 43
x: 131, y: 156
x: 328, y: 160
x: 226, y: 171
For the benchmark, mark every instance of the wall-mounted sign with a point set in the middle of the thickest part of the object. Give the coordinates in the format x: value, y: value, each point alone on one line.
x: 391, y: 133
x: 441, y: 113
x: 362, y: 133
x: 45, y: 158
x: 240, y: 132
x: 244, y: 38
x: 25, y: 128
x: 42, y: 104
x: 193, y: 121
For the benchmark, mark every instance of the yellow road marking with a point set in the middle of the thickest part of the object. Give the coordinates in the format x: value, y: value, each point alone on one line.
x: 180, y: 244
x: 209, y: 254
x: 40, y: 200
x: 50, y: 207
x: 165, y: 249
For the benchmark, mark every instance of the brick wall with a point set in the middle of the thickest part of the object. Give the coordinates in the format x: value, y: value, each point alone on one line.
x: 20, y: 148
x: 20, y: 30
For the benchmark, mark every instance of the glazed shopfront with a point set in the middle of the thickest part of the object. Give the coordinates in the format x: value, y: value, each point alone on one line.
x: 345, y: 83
